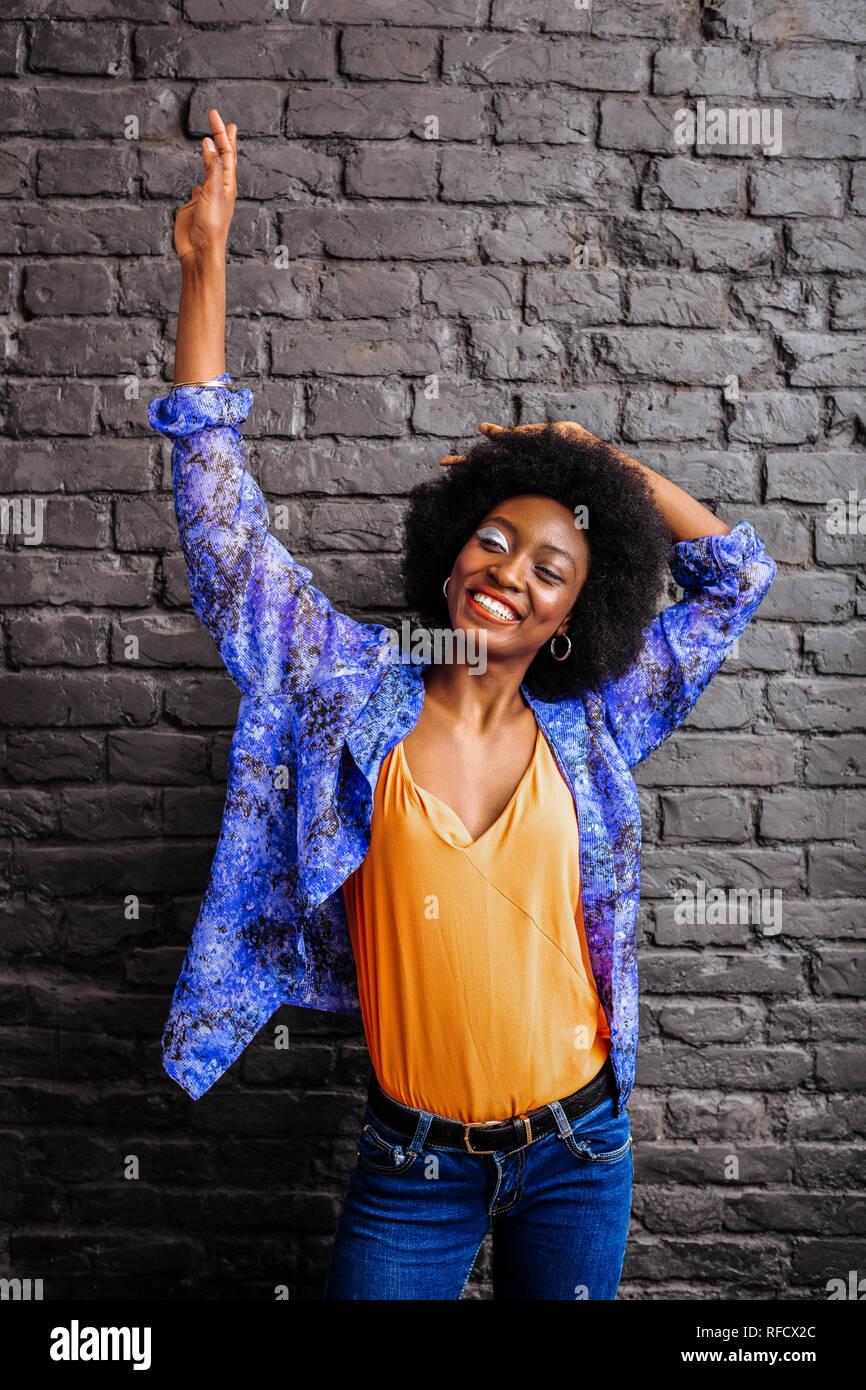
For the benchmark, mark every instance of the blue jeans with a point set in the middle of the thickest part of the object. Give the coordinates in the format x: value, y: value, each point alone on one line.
x: 416, y: 1213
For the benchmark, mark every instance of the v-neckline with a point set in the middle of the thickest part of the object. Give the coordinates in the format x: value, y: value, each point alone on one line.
x: 511, y: 800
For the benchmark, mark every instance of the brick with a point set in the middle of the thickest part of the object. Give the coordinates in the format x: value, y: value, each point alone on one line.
x: 407, y: 171
x: 841, y: 971
x: 801, y: 1212
x: 672, y: 415
x: 834, y: 869
x: 729, y: 703
x: 388, y: 55
x: 707, y: 760
x: 363, y: 408
x: 697, y: 815
x: 456, y: 411
x: 793, y: 190
x: 162, y: 640
x: 64, y: 287
x: 836, y: 761
x: 813, y: 19
x: 202, y: 701
x: 515, y: 352
x: 821, y: 597
x: 824, y: 244
x: 77, y: 698
x: 700, y: 1023
x: 687, y: 301
x: 360, y: 292
x: 448, y: 14
x: 818, y: 359
x: 749, y: 1068
x: 841, y: 1068
x: 773, y: 417
x: 829, y: 705
x: 108, y: 814
x: 812, y: 477
x: 60, y: 579
x: 692, y: 185
x: 156, y: 755
x: 812, y: 815
x: 847, y: 305
x: 775, y: 302
x: 689, y: 358
x: 817, y: 1165
x: 813, y: 1021
x: 362, y: 347
x: 553, y: 116
x: 534, y: 236
x: 591, y: 406
x: 43, y: 638
x: 490, y: 176
x: 573, y: 297
x: 386, y: 113
x: 836, y: 649
x: 51, y: 756
x: 711, y: 70
x: 290, y: 52
x: 27, y: 813
x: 369, y: 233
x: 473, y: 291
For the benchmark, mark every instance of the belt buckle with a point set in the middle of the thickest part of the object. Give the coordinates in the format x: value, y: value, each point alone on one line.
x: 476, y: 1124
x: 472, y: 1124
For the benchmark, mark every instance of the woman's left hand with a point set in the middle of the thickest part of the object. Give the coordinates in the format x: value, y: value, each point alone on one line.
x: 569, y: 428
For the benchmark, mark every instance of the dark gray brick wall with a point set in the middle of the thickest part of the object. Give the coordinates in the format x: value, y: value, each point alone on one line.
x: 712, y: 327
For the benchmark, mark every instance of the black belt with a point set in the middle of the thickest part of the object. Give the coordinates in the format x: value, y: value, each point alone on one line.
x: 491, y: 1137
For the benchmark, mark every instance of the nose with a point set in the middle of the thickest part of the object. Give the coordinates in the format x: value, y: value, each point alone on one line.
x: 507, y: 571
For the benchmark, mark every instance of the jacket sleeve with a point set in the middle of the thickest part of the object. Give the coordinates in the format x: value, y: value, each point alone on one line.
x: 724, y: 578
x: 275, y: 631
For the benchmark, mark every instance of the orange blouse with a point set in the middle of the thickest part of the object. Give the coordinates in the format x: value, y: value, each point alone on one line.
x: 475, y: 983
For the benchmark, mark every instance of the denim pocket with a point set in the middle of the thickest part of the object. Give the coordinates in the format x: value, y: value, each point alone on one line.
x: 383, y: 1150
x: 600, y: 1136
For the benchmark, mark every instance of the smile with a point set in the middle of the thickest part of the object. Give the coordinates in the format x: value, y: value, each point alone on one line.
x: 491, y: 607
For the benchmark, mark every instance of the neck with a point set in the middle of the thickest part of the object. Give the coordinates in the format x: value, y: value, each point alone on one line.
x: 478, y: 702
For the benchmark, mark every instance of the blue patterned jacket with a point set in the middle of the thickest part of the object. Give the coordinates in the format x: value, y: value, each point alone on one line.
x: 324, y: 701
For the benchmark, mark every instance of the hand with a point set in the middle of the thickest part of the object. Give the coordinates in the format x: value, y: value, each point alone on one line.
x: 572, y: 431
x: 202, y: 224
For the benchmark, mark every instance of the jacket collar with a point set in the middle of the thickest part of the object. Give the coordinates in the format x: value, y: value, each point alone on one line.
x: 394, y: 707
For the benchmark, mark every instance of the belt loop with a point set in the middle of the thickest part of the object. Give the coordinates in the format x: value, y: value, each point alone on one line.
x: 425, y: 1119
x: 559, y: 1115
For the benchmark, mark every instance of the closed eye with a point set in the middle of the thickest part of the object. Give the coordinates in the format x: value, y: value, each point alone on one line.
x: 490, y: 536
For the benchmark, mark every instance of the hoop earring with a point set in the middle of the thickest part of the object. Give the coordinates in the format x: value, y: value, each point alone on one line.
x: 567, y: 654
x: 445, y: 586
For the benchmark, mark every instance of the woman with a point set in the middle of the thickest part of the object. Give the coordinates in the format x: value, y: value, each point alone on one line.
x: 450, y: 849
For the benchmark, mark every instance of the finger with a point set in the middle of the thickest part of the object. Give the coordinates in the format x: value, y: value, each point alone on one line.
x: 453, y: 458
x: 213, y: 167
x: 225, y: 149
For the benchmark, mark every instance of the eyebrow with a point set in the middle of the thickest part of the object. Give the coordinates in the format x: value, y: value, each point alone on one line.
x: 546, y: 545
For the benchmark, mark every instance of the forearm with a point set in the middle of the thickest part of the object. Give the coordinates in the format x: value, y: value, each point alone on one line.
x: 687, y: 518
x: 201, y: 321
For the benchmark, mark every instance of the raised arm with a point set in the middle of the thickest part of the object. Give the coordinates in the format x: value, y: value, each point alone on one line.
x: 275, y: 631
x: 725, y: 573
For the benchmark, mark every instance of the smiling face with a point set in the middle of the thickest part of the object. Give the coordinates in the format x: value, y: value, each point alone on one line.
x: 519, y: 574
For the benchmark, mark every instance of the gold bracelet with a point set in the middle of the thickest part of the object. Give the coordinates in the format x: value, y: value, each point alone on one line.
x: 214, y: 381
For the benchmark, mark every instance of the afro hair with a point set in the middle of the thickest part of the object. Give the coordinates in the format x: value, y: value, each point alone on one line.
x: 629, y: 543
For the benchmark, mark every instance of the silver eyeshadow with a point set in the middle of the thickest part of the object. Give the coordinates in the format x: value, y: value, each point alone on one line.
x: 486, y: 533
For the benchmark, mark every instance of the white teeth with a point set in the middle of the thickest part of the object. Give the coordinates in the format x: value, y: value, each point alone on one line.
x: 497, y: 609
